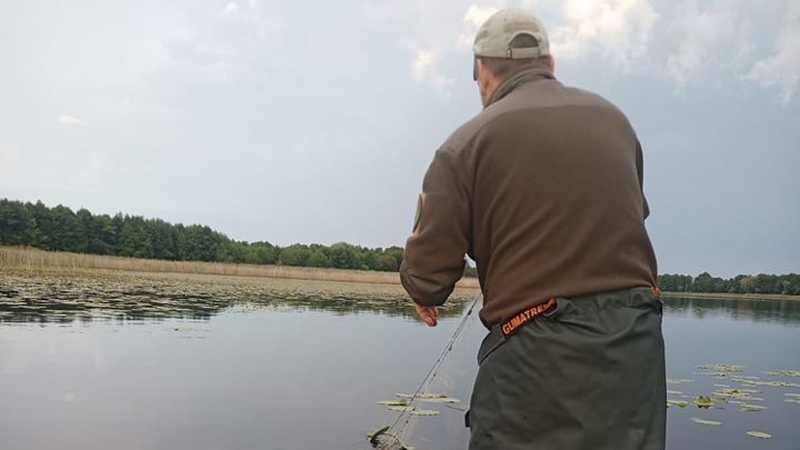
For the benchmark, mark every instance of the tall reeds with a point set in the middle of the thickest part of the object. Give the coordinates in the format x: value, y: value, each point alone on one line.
x: 35, y: 259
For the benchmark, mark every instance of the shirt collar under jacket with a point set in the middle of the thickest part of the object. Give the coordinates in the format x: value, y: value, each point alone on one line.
x: 519, y: 78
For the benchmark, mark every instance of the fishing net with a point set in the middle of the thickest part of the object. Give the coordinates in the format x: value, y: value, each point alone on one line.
x: 442, y: 386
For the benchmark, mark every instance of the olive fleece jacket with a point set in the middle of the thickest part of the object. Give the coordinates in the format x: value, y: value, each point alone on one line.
x: 543, y: 190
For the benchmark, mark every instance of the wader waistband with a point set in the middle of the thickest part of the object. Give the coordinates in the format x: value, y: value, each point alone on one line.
x: 525, y: 316
x: 500, y: 332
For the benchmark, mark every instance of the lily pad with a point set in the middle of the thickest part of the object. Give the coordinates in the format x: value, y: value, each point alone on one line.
x: 722, y: 367
x: 751, y: 407
x: 759, y: 434
x: 440, y: 400
x: 678, y: 403
x: 703, y: 401
x: 415, y: 411
x: 373, y: 437
x: 402, y: 402
x: 429, y: 397
x: 728, y: 393
x: 712, y: 423
x: 784, y: 373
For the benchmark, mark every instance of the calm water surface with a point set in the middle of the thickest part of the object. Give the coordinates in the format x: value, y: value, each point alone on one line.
x: 289, y: 375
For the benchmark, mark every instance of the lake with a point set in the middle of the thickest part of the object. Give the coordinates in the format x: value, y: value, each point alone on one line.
x: 179, y: 362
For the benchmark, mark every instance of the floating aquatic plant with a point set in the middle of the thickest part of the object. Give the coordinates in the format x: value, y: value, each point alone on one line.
x: 751, y: 407
x: 759, y: 434
x: 784, y: 373
x: 415, y: 411
x: 428, y: 397
x: 726, y: 394
x: 712, y: 423
x: 703, y: 401
x: 375, y: 438
x: 401, y: 402
x: 722, y: 367
x: 767, y: 383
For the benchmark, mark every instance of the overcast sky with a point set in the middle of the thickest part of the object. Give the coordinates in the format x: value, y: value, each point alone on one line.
x: 314, y: 121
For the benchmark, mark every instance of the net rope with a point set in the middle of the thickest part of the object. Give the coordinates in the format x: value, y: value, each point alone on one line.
x: 392, y: 437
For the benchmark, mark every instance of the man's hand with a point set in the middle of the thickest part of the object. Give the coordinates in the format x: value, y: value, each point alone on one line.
x: 428, y: 313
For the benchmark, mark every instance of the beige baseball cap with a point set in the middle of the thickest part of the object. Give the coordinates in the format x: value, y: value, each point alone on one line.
x: 495, y: 35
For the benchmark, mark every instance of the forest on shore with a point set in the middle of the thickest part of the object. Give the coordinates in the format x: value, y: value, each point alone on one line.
x: 61, y: 229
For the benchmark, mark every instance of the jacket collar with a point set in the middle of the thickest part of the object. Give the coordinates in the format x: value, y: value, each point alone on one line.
x: 517, y: 79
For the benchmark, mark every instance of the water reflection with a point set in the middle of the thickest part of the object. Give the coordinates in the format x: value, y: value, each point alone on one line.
x: 783, y: 311
x: 281, y: 356
x: 65, y: 299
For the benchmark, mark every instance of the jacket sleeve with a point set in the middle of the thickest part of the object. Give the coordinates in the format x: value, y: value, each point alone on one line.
x: 433, y: 260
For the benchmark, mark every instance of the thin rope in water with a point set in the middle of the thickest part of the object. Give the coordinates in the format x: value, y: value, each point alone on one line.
x: 405, y: 416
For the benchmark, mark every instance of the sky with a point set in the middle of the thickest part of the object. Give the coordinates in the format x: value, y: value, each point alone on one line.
x: 314, y: 121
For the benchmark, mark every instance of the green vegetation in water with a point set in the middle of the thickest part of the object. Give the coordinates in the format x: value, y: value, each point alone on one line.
x: 703, y: 401
x: 375, y: 438
x: 415, y: 411
x: 401, y: 402
x: 784, y: 373
x: 404, y: 403
x: 431, y: 398
x: 678, y: 403
x: 759, y: 434
x: 722, y: 368
x: 86, y: 296
x: 712, y: 423
x: 752, y: 408
x: 746, y: 392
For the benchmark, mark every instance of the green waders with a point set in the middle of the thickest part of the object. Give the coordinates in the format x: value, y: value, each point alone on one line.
x: 586, y: 375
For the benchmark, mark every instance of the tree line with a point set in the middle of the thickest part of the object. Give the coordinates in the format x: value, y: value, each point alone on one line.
x: 740, y: 284
x: 61, y: 229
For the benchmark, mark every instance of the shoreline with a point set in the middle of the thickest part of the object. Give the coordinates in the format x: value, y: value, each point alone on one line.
x: 727, y: 296
x: 35, y: 260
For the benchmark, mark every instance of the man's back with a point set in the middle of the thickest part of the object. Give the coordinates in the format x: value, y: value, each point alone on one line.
x: 556, y: 198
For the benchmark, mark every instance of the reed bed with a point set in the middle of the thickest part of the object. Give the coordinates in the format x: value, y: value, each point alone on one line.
x: 31, y: 259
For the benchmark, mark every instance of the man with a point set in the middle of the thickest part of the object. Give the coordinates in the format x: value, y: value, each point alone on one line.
x: 543, y: 189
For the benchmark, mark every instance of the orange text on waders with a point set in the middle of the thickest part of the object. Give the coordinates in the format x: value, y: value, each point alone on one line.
x: 521, y: 318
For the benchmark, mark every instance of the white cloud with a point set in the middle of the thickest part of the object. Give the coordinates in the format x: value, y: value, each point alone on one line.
x: 430, y: 31
x: 66, y: 119
x: 230, y: 10
x: 425, y: 69
x: 617, y: 29
x: 782, y: 69
x: 473, y: 20
x: 422, y: 63
x: 703, y: 35
x: 477, y: 14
